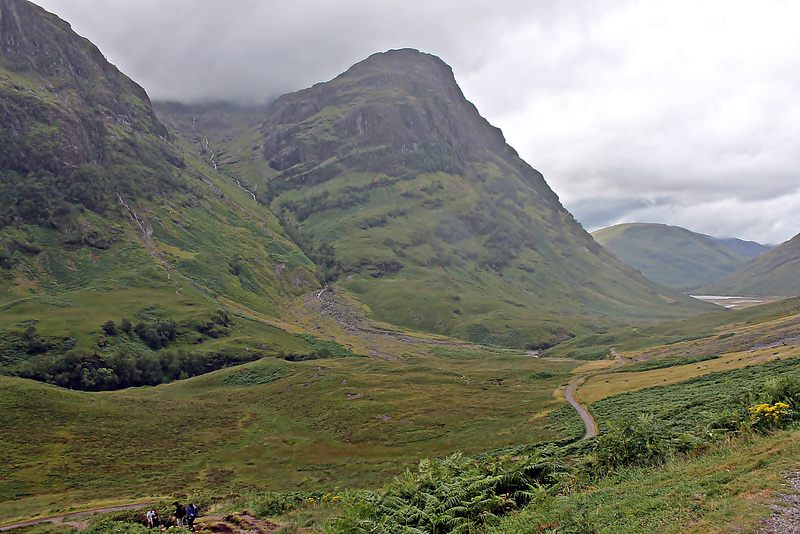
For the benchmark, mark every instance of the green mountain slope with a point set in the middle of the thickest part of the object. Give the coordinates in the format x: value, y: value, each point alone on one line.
x: 774, y: 273
x: 104, y: 217
x: 436, y: 222
x: 669, y: 255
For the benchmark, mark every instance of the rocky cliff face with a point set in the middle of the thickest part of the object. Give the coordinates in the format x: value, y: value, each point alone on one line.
x: 61, y: 103
x: 402, y: 100
x: 75, y: 132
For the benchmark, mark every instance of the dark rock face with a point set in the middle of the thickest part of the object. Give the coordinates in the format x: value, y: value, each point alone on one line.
x: 59, y: 97
x: 402, y: 100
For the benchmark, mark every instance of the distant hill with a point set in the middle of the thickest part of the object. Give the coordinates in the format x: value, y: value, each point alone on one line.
x: 745, y: 249
x: 774, y: 273
x: 436, y: 222
x: 670, y: 255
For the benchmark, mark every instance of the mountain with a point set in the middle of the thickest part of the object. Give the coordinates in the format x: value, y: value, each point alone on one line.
x: 130, y: 256
x: 774, y: 273
x: 670, y: 255
x: 73, y: 128
x: 745, y: 249
x: 105, y: 216
x: 436, y: 222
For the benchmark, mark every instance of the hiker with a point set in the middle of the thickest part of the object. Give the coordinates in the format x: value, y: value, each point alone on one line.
x: 180, y: 513
x: 153, y: 521
x: 191, y: 515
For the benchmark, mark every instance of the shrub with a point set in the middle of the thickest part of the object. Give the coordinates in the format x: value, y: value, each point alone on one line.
x: 125, y: 325
x: 110, y: 328
x: 79, y: 369
x: 639, y: 441
x: 769, y: 417
x: 454, y: 494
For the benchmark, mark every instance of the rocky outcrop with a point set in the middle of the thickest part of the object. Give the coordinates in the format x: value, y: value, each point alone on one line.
x: 61, y: 102
x: 402, y: 100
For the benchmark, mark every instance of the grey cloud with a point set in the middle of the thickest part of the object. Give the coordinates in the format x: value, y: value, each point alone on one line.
x: 250, y: 50
x: 683, y: 113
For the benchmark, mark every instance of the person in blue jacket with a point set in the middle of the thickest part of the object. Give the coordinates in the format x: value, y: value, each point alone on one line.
x: 191, y: 515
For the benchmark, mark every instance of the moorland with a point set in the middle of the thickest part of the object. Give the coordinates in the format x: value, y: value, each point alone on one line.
x: 355, y: 309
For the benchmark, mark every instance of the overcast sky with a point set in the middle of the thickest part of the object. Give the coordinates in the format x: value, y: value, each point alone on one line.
x: 683, y: 112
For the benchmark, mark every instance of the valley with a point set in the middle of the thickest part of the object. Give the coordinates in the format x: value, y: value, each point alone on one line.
x: 357, y: 309
x: 312, y: 426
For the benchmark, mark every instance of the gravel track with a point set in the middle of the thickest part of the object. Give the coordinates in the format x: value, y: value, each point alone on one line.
x: 785, y: 517
x: 55, y: 519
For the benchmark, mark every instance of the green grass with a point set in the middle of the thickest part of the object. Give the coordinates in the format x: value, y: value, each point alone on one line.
x: 727, y: 489
x: 666, y: 362
x: 351, y: 422
x: 692, y: 403
x: 356, y: 422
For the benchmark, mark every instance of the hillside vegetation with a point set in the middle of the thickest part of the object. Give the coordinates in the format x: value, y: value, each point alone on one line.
x: 355, y: 422
x: 272, y: 424
x: 771, y: 274
x: 691, y: 456
x: 354, y: 310
x: 670, y: 255
x: 106, y: 220
x: 434, y: 221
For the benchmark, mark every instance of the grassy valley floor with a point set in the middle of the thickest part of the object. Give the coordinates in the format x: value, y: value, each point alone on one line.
x: 271, y: 424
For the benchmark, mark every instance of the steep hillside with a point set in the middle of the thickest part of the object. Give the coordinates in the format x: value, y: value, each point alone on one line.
x: 104, y: 218
x: 669, y: 255
x: 774, y: 273
x: 75, y: 131
x: 436, y: 222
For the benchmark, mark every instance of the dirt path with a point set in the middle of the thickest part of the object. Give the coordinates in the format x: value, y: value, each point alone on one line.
x: 588, y: 421
x: 785, y: 513
x: 65, y: 518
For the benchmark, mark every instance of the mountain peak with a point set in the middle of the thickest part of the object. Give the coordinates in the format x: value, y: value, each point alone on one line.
x: 398, y: 170
x: 407, y: 61
x: 405, y: 101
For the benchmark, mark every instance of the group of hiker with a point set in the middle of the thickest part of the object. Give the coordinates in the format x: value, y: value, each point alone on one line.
x: 184, y: 516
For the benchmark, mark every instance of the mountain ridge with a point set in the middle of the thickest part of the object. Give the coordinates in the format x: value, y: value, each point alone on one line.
x: 772, y: 273
x: 670, y: 255
x: 386, y: 176
x: 106, y: 217
x: 415, y: 191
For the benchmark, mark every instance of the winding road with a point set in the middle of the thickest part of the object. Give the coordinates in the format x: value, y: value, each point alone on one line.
x: 588, y: 420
